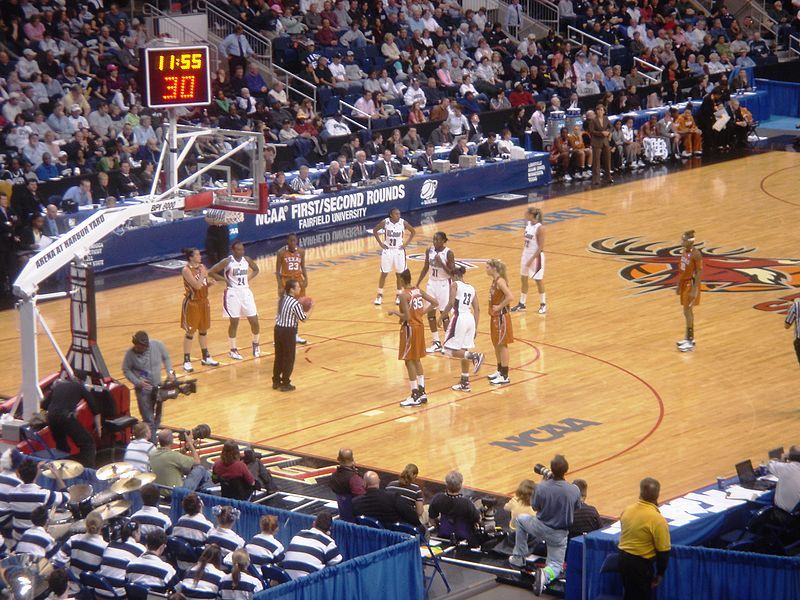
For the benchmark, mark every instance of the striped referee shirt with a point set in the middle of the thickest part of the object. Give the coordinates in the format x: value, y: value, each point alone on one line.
x: 310, y: 551
x: 115, y: 560
x: 150, y: 518
x: 38, y: 542
x: 289, y: 312
x: 264, y: 549
x: 8, y: 481
x: 27, y: 496
x: 207, y: 584
x: 150, y: 571
x: 793, y: 317
x: 83, y: 552
x: 138, y: 454
x: 247, y: 588
x: 227, y: 540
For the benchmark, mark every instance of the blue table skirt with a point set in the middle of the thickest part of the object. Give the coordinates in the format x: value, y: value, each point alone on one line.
x: 422, y: 192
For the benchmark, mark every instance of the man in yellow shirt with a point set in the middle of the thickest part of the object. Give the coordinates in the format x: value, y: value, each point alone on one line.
x: 644, y: 540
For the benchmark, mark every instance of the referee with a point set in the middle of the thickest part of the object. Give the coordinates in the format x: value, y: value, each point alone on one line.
x: 289, y: 312
x: 793, y: 318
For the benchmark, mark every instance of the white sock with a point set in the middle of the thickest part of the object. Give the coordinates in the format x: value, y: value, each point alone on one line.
x: 421, y: 381
x: 413, y: 384
x: 435, y: 336
x: 232, y: 342
x: 465, y: 376
x: 523, y: 298
x: 256, y: 338
x: 543, y: 298
x: 380, y: 291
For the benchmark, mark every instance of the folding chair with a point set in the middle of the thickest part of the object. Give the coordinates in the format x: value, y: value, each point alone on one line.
x: 610, y: 565
x: 181, y: 551
x: 345, y: 504
x: 368, y: 522
x: 94, y: 582
x: 272, y: 573
x: 431, y: 560
x: 30, y: 437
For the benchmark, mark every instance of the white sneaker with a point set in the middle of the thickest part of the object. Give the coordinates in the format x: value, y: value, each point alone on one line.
x: 413, y: 401
x: 683, y: 342
x: 461, y: 387
x: 698, y: 153
x: 494, y: 375
x: 567, y: 178
x: 500, y: 380
x: 542, y: 308
x: 256, y: 350
x: 209, y: 361
x: 686, y: 154
x: 434, y: 347
x: 187, y: 366
x: 687, y: 347
x: 378, y: 300
x: 234, y: 354
x: 300, y: 340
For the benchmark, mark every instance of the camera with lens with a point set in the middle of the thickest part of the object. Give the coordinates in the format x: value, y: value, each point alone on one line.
x: 172, y: 389
x: 540, y: 469
x: 200, y: 432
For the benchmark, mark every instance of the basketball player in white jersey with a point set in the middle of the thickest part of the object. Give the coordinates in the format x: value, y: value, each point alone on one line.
x: 393, y: 250
x: 460, y: 337
x: 236, y: 271
x: 440, y: 261
x: 532, y: 263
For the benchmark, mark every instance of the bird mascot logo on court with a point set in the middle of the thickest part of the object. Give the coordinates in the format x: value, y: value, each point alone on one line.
x: 654, y: 266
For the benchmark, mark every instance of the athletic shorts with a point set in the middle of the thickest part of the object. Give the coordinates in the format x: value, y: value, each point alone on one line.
x: 686, y: 294
x: 501, y: 329
x: 412, y: 342
x: 238, y: 302
x: 195, y: 315
x: 439, y: 289
x: 536, y: 270
x: 461, y: 332
x: 393, y: 260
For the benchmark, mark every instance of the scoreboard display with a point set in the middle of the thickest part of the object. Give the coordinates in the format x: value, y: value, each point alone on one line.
x: 177, y: 76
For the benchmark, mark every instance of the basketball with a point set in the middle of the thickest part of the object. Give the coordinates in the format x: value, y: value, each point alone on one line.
x: 306, y: 303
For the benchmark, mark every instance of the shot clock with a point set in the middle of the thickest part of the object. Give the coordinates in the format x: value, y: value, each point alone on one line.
x: 177, y: 76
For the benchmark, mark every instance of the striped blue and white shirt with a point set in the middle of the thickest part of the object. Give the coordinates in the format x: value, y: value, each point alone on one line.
x: 192, y: 528
x: 38, y: 542
x: 138, y: 454
x: 247, y: 588
x: 115, y: 560
x: 27, y: 496
x: 207, y: 584
x: 793, y: 317
x: 150, y: 518
x: 310, y: 551
x: 82, y: 552
x: 150, y: 571
x: 264, y: 549
x: 227, y: 540
x: 8, y: 481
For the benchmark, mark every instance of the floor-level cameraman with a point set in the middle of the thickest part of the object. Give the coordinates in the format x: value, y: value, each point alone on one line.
x: 142, y: 366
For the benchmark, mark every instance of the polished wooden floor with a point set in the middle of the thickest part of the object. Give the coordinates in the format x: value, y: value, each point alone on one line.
x: 597, y: 379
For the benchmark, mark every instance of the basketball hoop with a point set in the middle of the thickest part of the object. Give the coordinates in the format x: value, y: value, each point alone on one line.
x: 241, y: 200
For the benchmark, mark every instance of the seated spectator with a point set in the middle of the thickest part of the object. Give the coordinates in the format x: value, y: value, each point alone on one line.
x: 415, y: 115
x: 84, y: 551
x: 561, y: 154
x: 222, y: 534
x: 520, y: 96
x: 302, y: 183
x: 488, y: 149
x: 406, y: 487
x: 452, y: 506
x: 313, y: 549
x: 500, y: 102
x: 520, y: 504
x: 459, y: 149
x: 47, y: 170
x: 424, y: 162
x: 414, y: 94
x: 333, y: 178
x: 118, y: 554
x: 385, y: 506
x: 149, y: 517
x: 581, y: 155
x: 58, y: 584
x: 192, y: 526
x: 203, y: 580
x: 239, y: 583
x: 175, y: 469
x: 585, y: 518
x: 787, y: 490
x: 412, y: 141
x: 359, y: 169
x: 365, y: 107
x: 36, y: 540
x: 139, y: 449
x: 278, y: 188
x: 150, y: 570
x: 335, y: 127
x: 229, y: 468
x: 588, y: 87
x: 264, y: 549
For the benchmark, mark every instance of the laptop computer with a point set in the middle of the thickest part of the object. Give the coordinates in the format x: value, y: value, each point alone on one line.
x: 776, y: 453
x: 747, y: 477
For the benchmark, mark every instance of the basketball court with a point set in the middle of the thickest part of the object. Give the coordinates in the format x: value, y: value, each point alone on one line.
x: 598, y: 378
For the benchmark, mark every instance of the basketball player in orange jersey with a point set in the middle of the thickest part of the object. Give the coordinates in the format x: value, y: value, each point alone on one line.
x: 412, y: 336
x: 532, y: 262
x: 441, y: 263
x: 237, y: 271
x: 690, y: 272
x: 500, y: 298
x: 393, y: 249
x: 290, y: 263
x: 196, y: 311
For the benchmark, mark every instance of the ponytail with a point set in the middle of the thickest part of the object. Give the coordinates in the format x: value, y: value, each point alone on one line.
x: 241, y: 560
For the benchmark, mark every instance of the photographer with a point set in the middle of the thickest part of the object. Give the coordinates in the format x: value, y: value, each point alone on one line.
x: 555, y: 502
x: 175, y: 469
x: 787, y: 491
x: 142, y: 366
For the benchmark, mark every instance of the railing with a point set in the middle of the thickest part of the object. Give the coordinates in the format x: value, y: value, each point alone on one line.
x: 576, y: 36
x: 651, y: 68
x: 356, y: 110
x: 285, y: 77
x: 762, y: 17
x: 704, y: 6
x: 541, y: 8
x: 543, y: 11
x: 158, y: 23
x: 794, y: 44
x: 221, y: 25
